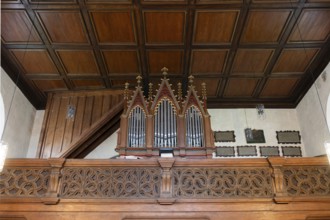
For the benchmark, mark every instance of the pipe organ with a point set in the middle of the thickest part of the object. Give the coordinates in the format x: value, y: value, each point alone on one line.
x: 165, y: 121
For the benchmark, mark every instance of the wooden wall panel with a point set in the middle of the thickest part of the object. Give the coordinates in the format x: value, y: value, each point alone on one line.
x: 59, y: 133
x: 50, y: 85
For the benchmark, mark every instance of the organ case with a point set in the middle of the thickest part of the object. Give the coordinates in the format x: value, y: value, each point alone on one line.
x: 165, y: 122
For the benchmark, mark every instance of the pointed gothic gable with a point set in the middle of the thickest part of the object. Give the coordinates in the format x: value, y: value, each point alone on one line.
x: 165, y: 90
x: 192, y: 99
x: 137, y: 99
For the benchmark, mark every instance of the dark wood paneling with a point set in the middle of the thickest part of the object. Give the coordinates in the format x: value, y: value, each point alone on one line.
x: 208, y: 61
x: 121, y: 62
x: 171, y: 59
x: 313, y: 25
x: 60, y: 133
x: 211, y: 86
x: 88, y: 84
x: 164, y: 26
x: 97, y: 44
x: 35, y: 61
x: 294, y: 60
x: 50, y: 85
x: 279, y: 87
x: 253, y: 62
x: 240, y: 87
x: 209, y: 23
x: 78, y: 62
x: 16, y: 27
x: 113, y: 27
x: 264, y: 26
x: 63, y: 26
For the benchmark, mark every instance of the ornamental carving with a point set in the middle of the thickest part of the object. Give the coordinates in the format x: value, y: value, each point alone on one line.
x: 307, y: 181
x: 110, y: 182
x: 222, y: 183
x: 20, y: 182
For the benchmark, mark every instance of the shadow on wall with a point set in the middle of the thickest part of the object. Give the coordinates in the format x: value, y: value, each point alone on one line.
x: 2, y: 116
x: 328, y: 112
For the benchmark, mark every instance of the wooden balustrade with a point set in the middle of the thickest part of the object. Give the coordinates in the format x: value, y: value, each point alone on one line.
x: 166, y: 180
x: 165, y: 188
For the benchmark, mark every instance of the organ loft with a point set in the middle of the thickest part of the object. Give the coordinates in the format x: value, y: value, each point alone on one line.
x: 165, y: 122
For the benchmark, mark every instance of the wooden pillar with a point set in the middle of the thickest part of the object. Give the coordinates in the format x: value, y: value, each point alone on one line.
x: 122, y: 136
x: 166, y: 192
x: 181, y: 134
x: 280, y: 192
x: 52, y: 197
x: 149, y: 134
x: 208, y: 135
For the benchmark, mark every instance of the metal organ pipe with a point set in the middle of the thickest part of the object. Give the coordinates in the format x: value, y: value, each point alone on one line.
x: 165, y: 125
x: 194, y: 128
x: 136, y: 128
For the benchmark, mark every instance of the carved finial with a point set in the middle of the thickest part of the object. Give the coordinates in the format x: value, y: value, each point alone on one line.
x: 164, y: 70
x: 150, y: 92
x: 138, y: 78
x: 191, y: 79
x: 126, y: 91
x: 204, y: 91
x: 179, y: 92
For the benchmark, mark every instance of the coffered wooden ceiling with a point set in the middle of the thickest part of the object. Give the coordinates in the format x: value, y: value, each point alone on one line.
x: 247, y: 51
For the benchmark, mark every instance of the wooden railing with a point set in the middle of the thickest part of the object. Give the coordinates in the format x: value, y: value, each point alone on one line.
x: 166, y: 180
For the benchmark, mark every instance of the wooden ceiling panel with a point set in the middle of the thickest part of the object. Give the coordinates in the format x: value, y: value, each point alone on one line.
x: 121, y: 62
x: 248, y: 51
x: 295, y: 60
x: 211, y: 86
x: 265, y: 26
x: 120, y: 83
x: 171, y: 59
x: 164, y: 27
x: 209, y: 23
x: 64, y: 26
x: 88, y: 83
x: 35, y: 61
x: 208, y: 61
x: 78, y: 62
x: 313, y: 25
x: 113, y: 27
x: 219, y: 1
x: 240, y: 87
x: 50, y: 85
x: 251, y: 61
x: 279, y: 87
x: 16, y: 27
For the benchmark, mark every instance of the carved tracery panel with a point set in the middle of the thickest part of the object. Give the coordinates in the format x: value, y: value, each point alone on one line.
x: 100, y: 182
x: 307, y: 181
x: 222, y: 183
x: 20, y: 182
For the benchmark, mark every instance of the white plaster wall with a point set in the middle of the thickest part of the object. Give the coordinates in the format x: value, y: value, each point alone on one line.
x: 106, y: 149
x: 234, y: 119
x: 36, y: 131
x: 311, y: 115
x: 20, y: 119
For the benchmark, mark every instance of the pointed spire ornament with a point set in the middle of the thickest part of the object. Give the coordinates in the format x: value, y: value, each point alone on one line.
x: 164, y: 71
x: 179, y: 92
x: 138, y: 79
x: 126, y: 91
x: 150, y: 93
x: 204, y: 97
